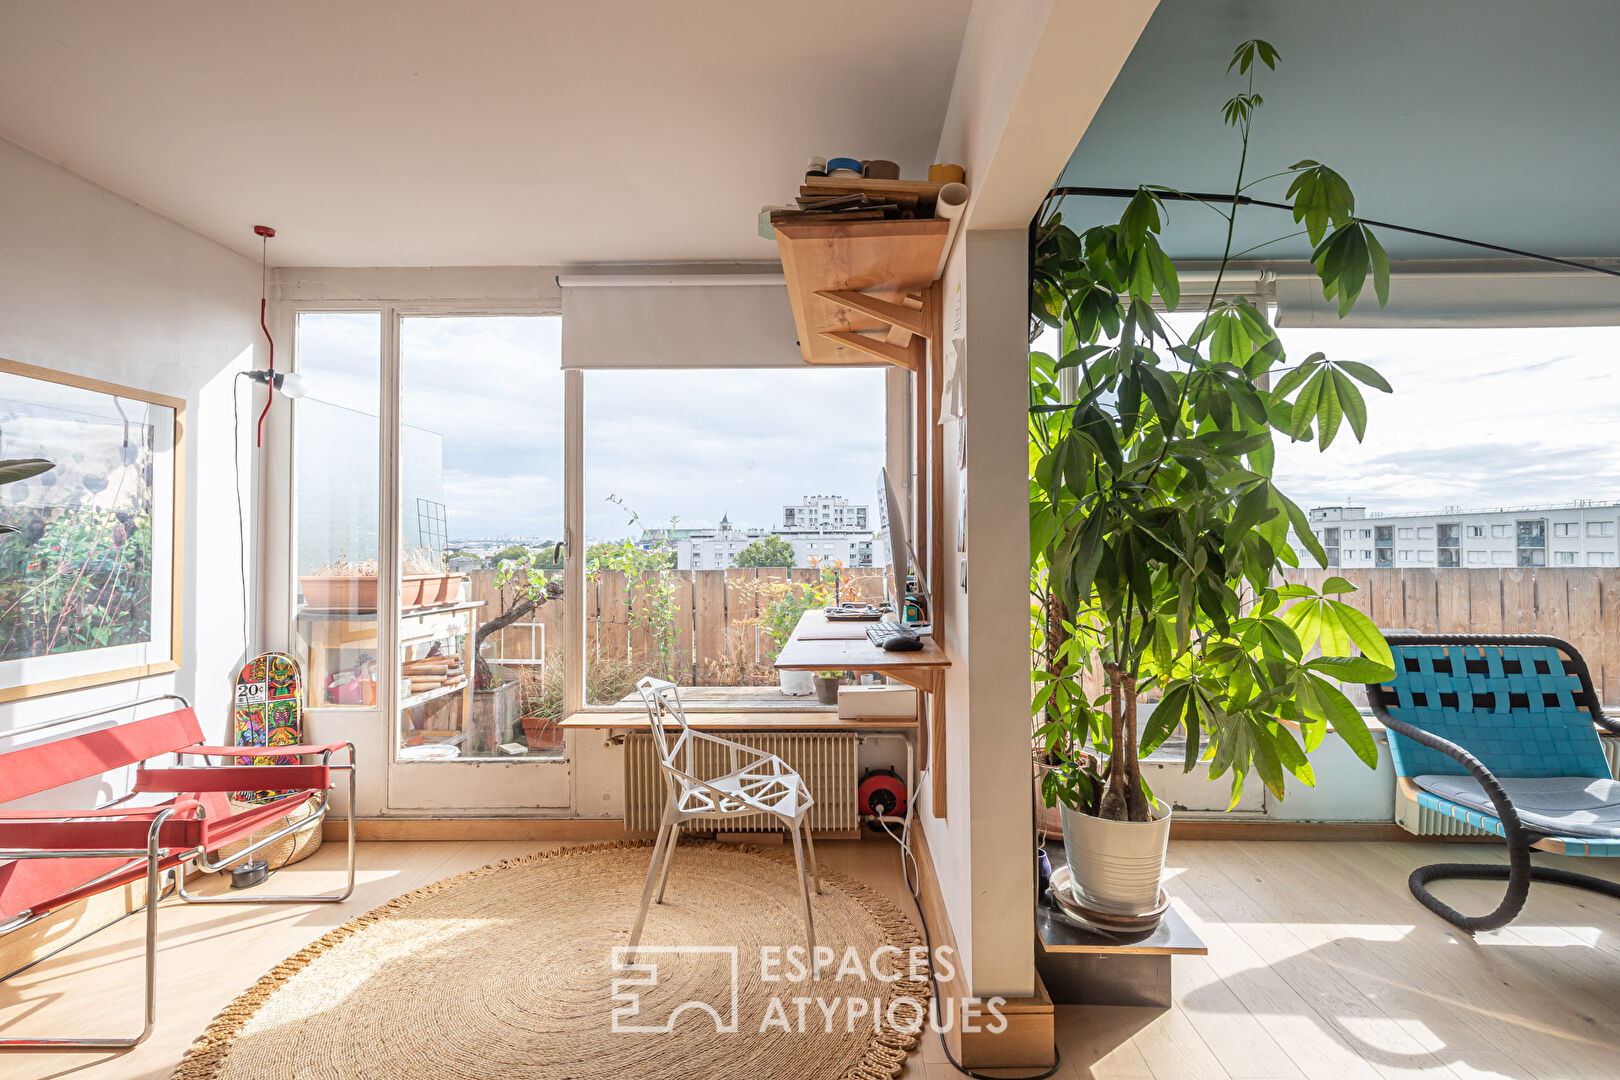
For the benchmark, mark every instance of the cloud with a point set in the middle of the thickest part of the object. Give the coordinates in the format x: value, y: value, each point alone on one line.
x: 692, y: 444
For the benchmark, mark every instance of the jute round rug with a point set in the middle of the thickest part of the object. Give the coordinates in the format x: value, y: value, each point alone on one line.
x: 509, y: 972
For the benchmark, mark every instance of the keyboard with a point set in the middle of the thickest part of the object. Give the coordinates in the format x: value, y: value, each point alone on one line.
x: 887, y: 630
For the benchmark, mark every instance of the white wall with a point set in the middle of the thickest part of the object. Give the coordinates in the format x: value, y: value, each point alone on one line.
x: 93, y: 284
x: 1030, y: 76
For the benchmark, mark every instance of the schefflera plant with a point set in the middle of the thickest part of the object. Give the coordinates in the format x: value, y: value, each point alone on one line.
x: 1157, y: 533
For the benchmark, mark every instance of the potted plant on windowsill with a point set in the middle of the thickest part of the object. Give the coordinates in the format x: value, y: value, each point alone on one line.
x: 1157, y: 531
x: 827, y: 683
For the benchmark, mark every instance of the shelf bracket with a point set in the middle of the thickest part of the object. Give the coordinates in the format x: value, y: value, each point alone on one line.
x: 899, y: 355
x: 906, y: 317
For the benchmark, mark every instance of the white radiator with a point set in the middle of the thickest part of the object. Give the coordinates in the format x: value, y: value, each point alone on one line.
x: 1425, y: 822
x: 826, y: 760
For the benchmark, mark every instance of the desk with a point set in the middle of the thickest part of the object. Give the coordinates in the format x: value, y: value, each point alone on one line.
x: 820, y: 644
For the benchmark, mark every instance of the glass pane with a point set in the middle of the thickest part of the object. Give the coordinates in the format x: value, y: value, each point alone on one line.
x: 335, y: 477
x: 719, y: 506
x: 481, y: 510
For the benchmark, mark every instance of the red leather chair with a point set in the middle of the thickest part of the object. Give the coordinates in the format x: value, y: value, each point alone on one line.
x: 172, y: 818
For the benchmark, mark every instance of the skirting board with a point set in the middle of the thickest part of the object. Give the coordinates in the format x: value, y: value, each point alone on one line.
x: 506, y: 828
x: 1027, y: 1040
x: 469, y: 828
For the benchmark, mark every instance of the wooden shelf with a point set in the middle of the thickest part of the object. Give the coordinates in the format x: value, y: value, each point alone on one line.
x: 889, y: 264
x: 429, y: 695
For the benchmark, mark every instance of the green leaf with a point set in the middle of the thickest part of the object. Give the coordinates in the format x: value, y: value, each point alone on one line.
x: 1335, y: 585
x: 1380, y: 266
x: 1346, y: 720
x: 1329, y: 410
x: 1363, y: 374
x: 1352, y: 669
x: 16, y: 469
x: 1365, y: 634
x: 1350, y: 400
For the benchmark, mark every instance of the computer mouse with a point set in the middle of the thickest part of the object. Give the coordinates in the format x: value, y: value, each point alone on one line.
x: 903, y: 643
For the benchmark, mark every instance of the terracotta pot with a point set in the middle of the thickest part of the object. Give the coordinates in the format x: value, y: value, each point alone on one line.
x: 417, y: 590
x: 542, y: 733
x: 827, y: 689
x: 339, y: 593
x: 1116, y: 866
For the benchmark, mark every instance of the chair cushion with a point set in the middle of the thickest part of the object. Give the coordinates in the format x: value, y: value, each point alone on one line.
x: 1555, y: 805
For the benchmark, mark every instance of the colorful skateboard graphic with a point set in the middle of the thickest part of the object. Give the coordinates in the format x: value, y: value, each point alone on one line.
x: 269, y: 712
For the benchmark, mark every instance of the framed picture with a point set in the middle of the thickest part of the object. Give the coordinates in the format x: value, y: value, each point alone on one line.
x: 90, y: 577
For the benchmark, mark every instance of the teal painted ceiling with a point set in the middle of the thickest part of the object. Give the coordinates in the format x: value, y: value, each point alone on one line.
x: 1493, y: 119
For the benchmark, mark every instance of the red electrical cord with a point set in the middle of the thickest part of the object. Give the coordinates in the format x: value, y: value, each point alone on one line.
x: 265, y: 232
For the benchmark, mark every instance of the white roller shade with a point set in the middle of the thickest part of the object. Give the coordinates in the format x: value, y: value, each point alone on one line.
x: 1462, y: 299
x: 706, y: 321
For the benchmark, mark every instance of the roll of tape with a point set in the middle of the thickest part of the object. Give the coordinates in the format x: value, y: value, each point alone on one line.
x: 845, y: 163
x: 946, y: 174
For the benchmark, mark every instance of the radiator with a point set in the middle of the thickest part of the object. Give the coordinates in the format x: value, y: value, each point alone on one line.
x: 1425, y: 822
x: 826, y: 760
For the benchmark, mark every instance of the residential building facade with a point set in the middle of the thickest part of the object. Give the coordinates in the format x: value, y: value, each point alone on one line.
x: 822, y: 529
x: 824, y: 513
x: 1585, y: 533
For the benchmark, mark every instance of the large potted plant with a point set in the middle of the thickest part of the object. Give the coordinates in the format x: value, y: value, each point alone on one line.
x: 1157, y: 531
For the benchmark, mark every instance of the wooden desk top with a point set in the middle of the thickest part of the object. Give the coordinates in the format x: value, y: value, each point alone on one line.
x: 772, y: 720
x: 812, y: 648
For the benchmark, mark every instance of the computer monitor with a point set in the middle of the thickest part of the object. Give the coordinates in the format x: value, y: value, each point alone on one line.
x: 899, y: 547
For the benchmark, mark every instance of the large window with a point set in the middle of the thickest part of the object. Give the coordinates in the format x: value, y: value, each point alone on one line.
x: 719, y: 505
x: 335, y: 480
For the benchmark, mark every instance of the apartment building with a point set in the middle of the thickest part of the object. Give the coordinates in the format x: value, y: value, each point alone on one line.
x: 1584, y: 533
x: 822, y: 529
x: 832, y: 513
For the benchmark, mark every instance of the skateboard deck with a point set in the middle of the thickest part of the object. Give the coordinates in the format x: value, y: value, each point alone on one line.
x: 269, y: 712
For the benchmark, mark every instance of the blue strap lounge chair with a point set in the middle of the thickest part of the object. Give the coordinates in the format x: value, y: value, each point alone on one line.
x: 1500, y: 732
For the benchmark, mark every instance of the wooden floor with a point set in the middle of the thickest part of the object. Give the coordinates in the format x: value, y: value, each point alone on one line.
x: 1321, y: 965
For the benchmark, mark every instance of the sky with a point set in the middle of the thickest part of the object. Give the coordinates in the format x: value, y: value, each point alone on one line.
x: 1479, y: 418
x: 691, y: 444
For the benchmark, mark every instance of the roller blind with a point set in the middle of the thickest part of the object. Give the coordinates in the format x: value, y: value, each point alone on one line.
x: 677, y: 322
x: 1461, y: 299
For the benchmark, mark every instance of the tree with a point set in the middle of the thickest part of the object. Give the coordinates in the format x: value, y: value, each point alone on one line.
x: 770, y: 551
x: 515, y: 553
x: 1156, y: 528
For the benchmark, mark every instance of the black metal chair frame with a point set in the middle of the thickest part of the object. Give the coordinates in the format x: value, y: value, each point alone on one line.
x: 1521, y: 839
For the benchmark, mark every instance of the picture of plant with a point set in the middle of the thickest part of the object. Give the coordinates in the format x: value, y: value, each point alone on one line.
x: 86, y: 548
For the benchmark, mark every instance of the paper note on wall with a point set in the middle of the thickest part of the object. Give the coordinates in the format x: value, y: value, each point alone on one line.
x: 950, y: 383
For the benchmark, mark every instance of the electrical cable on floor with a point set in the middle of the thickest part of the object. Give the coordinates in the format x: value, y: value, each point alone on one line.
x: 912, y: 886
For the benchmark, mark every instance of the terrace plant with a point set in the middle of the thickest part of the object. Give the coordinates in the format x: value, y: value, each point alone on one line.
x: 1156, y: 529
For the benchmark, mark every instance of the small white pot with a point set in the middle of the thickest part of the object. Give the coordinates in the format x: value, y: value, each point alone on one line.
x: 798, y: 683
x: 1116, y: 866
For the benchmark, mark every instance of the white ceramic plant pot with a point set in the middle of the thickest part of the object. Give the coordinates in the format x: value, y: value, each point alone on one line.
x: 1116, y: 866
x: 798, y: 683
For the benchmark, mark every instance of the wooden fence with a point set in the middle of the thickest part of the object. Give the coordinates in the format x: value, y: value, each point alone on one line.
x: 1579, y: 604
x: 714, y: 615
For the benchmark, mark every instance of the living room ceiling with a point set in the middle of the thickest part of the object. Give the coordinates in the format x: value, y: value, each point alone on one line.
x: 505, y: 132
x: 1490, y: 119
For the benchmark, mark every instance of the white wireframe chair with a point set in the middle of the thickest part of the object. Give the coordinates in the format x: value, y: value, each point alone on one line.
x: 755, y: 782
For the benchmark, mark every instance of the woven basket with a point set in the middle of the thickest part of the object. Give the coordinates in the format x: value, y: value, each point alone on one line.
x: 289, y: 849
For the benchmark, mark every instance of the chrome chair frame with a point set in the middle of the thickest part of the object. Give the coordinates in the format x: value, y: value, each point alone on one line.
x: 154, y: 855
x: 756, y: 777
